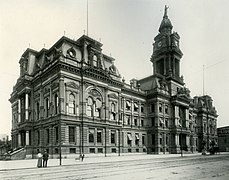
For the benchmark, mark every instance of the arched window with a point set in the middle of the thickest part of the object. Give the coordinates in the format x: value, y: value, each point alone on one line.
x: 47, y: 106
x: 98, y: 105
x: 38, y: 110
x: 90, y: 107
x: 56, y: 101
x: 71, y: 109
x: 95, y: 61
x: 113, y: 111
x: 38, y: 137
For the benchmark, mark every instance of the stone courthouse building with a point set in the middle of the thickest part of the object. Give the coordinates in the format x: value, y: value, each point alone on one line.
x: 72, y: 99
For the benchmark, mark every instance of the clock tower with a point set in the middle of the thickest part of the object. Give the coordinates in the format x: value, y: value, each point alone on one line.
x: 166, y: 52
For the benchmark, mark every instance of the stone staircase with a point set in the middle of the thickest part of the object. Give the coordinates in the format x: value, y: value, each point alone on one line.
x: 15, y: 155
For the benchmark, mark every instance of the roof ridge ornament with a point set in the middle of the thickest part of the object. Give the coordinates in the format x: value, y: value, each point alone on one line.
x: 165, y: 12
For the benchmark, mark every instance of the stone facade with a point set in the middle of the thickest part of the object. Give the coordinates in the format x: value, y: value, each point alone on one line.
x: 72, y: 97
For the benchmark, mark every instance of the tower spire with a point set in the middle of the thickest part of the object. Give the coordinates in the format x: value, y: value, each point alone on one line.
x: 165, y: 12
x: 166, y: 25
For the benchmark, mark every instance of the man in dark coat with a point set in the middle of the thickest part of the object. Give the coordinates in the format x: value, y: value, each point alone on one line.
x: 45, y: 159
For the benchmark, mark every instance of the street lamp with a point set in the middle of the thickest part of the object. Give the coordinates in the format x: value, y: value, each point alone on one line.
x: 181, y: 152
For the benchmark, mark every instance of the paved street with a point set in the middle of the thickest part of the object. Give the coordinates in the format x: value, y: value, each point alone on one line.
x: 126, y: 167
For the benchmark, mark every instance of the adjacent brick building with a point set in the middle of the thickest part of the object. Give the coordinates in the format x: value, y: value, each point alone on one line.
x: 223, y: 138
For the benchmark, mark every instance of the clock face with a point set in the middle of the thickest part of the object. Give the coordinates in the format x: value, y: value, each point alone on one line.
x: 159, y: 44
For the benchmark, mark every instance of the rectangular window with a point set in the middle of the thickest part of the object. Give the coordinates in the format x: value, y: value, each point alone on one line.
x: 143, y: 140
x: 153, y: 139
x: 99, y: 136
x: 137, y: 139
x: 142, y: 122
x: 92, y: 150
x: 112, y: 137
x: 166, y: 122
x: 91, y: 135
x: 167, y: 139
x: 160, y: 108
x: 142, y: 108
x: 72, y: 150
x: 129, y: 139
x: 100, y: 150
x: 38, y: 137
x: 161, y: 122
x: 71, y: 134
x: 152, y: 121
x: 128, y: 119
x: 166, y: 109
x: 152, y: 108
x: 57, y: 134
x: 113, y: 150
x: 135, y: 107
x: 160, y: 139
x: 135, y: 121
x: 128, y: 105
x: 47, y: 136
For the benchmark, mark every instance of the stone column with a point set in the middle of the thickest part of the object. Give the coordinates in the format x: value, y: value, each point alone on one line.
x: 188, y: 140
x: 27, y: 138
x: 19, y: 139
x: 187, y: 117
x: 132, y: 113
x: 19, y: 110
x: 61, y: 92
x: 176, y: 115
x: 177, y: 142
x: 26, y: 106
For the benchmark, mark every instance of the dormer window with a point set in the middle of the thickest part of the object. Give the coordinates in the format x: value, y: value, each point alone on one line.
x: 71, y: 53
x: 95, y: 61
x: 25, y: 65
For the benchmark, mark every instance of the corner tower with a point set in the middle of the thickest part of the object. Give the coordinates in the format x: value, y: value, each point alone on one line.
x: 166, y: 52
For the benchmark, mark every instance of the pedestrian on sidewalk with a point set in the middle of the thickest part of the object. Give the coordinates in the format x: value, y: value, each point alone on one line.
x: 39, y: 161
x: 82, y: 157
x: 45, y: 159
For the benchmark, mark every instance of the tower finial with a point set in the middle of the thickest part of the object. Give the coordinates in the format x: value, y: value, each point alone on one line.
x: 165, y: 13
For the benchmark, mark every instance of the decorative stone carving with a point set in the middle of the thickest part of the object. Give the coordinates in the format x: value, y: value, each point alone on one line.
x: 113, y: 95
x: 72, y: 85
x: 94, y: 93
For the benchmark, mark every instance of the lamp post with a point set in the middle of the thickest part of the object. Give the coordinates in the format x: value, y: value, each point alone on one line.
x: 82, y: 133
x: 181, y: 152
x: 60, y: 142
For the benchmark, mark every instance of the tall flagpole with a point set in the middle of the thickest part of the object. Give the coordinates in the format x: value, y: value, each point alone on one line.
x: 87, y: 17
x: 203, y: 80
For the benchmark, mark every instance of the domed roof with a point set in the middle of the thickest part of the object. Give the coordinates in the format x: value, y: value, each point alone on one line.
x: 165, y: 23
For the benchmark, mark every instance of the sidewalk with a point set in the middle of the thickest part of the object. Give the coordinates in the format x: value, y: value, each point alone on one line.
x: 32, y: 163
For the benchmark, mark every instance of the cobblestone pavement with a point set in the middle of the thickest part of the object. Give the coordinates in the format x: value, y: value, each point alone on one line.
x: 123, y: 167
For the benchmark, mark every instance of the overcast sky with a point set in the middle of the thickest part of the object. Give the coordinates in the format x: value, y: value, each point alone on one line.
x: 127, y: 29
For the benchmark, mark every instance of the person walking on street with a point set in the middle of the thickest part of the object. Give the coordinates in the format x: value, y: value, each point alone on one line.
x: 39, y: 161
x: 45, y: 159
x: 82, y: 157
